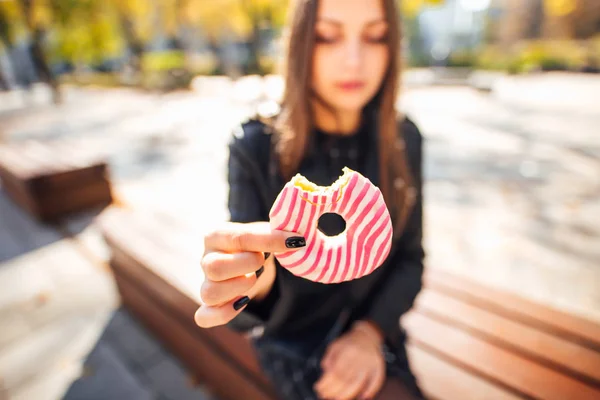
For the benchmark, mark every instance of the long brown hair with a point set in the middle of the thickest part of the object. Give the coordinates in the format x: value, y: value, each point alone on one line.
x: 295, y: 122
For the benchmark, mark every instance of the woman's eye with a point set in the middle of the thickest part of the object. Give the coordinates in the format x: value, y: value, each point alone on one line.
x: 324, y: 39
x: 377, y: 39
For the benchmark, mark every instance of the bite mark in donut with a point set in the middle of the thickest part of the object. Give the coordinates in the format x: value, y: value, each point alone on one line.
x: 352, y: 254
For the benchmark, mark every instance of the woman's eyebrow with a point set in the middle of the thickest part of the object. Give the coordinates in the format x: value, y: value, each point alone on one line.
x: 340, y: 23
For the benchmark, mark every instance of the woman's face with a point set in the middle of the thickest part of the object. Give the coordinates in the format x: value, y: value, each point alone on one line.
x: 351, y: 54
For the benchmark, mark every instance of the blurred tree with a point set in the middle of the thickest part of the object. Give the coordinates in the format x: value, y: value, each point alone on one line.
x: 105, y: 36
x: 571, y: 19
x: 174, y: 22
x: 560, y: 7
x: 86, y: 32
x: 6, y: 45
x: 257, y: 13
x: 519, y: 20
x: 136, y: 28
x: 411, y: 8
x: 586, y: 19
x: 212, y: 18
x: 13, y: 33
x: 244, y: 19
x: 536, y: 20
x: 11, y: 26
x: 262, y: 15
x: 36, y: 15
x: 7, y: 13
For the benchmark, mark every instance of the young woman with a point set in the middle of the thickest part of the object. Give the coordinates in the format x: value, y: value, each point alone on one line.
x: 340, y: 341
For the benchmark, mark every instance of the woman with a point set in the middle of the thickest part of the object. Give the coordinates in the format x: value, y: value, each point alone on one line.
x: 313, y: 340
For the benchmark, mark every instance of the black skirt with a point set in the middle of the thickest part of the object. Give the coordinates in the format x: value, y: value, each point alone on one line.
x: 293, y: 369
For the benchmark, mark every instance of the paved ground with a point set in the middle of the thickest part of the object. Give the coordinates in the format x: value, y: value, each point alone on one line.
x: 53, y: 306
x: 60, y: 321
x: 135, y: 365
x: 513, y: 181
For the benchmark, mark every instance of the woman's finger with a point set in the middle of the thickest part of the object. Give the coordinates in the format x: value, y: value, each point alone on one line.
x: 331, y: 353
x: 353, y: 386
x: 329, y: 384
x: 218, y: 266
x: 373, y: 384
x: 341, y: 371
x: 257, y: 237
x: 215, y: 293
x: 210, y: 316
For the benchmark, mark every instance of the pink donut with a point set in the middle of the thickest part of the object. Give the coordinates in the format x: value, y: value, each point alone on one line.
x: 354, y: 253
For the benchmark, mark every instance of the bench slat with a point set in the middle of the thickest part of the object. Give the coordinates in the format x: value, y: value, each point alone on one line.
x: 64, y: 180
x: 39, y: 179
x: 29, y: 160
x: 161, y: 270
x: 39, y: 156
x: 17, y: 191
x: 230, y: 342
x: 76, y: 199
x: 500, y: 366
x: 195, y: 352
x: 146, y: 241
x: 9, y: 161
x: 574, y: 328
x: 555, y: 352
x: 442, y: 380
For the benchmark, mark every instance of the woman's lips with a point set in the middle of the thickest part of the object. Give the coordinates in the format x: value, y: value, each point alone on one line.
x: 351, y: 85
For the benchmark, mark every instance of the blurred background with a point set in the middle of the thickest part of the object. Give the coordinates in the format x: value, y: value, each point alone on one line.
x: 164, y: 44
x: 506, y: 93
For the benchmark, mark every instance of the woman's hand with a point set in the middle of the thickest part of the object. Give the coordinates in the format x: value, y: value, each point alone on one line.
x: 353, y: 365
x: 232, y: 257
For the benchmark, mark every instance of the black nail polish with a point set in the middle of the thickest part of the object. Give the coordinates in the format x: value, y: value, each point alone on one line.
x: 260, y: 271
x: 267, y: 255
x: 241, y: 303
x: 295, y: 242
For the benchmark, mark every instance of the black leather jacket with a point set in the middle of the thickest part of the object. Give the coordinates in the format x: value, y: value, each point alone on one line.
x: 299, y: 308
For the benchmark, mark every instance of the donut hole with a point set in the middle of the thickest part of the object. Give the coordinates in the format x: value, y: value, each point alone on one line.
x: 331, y: 224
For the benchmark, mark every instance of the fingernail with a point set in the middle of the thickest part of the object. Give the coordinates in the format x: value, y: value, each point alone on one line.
x: 266, y: 255
x: 295, y: 242
x: 241, y: 303
x: 260, y: 271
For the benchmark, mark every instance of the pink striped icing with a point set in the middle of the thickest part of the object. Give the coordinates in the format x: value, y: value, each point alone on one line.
x: 357, y: 252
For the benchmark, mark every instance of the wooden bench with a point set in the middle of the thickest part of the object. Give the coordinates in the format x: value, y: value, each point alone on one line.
x: 51, y: 180
x: 467, y: 341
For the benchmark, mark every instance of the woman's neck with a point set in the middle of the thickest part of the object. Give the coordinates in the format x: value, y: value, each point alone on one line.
x: 341, y: 122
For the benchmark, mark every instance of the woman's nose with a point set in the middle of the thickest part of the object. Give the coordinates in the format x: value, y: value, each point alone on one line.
x: 353, y: 54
